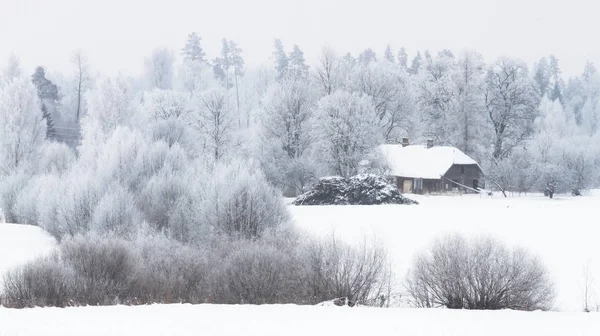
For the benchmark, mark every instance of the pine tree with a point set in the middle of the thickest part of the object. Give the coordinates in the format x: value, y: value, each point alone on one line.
x: 48, y: 95
x: 416, y: 64
x: 389, y: 55
x: 50, y: 130
x: 557, y: 83
x: 403, y: 58
x: 589, y: 70
x: 46, y: 89
x: 222, y: 64
x: 367, y: 56
x: 281, y: 59
x: 237, y: 62
x: 297, y: 67
x: 542, y: 76
x: 349, y: 60
x: 193, y: 50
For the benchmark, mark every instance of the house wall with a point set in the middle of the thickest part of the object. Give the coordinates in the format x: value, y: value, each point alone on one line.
x: 463, y: 174
x: 469, y: 175
x: 417, y: 186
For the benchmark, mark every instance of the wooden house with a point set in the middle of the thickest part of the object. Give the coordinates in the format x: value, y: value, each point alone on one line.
x: 427, y: 168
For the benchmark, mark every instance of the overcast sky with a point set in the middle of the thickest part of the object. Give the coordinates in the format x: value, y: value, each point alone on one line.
x: 116, y: 35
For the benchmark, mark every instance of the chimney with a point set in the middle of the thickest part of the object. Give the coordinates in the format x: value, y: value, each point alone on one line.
x: 429, y: 143
x: 404, y: 142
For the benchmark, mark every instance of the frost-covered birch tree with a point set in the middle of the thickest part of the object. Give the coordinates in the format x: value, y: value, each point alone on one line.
x: 511, y: 102
x: 347, y: 131
x: 159, y: 69
x: 286, y: 138
x: 23, y: 128
x: 216, y: 122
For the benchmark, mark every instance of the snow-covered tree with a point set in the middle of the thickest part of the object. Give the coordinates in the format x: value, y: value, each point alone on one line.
x: 286, y: 137
x: 468, y: 124
x: 367, y: 56
x: 82, y: 79
x: 296, y: 64
x: 415, y: 65
x: 281, y: 59
x: 347, y: 131
x: 216, y: 122
x: 159, y: 69
x: 48, y: 94
x: 23, y: 127
x: 241, y: 204
x: 110, y: 104
x: 116, y: 213
x: 193, y: 50
x: 511, y: 102
x: 12, y: 70
x: 329, y: 72
x: 194, y: 77
x: 164, y: 104
x: 403, y: 58
x: 389, y: 54
x: 437, y: 98
x: 389, y: 88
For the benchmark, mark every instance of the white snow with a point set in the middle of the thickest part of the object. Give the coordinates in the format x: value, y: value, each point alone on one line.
x: 290, y: 320
x: 564, y: 231
x: 418, y: 161
x: 20, y: 244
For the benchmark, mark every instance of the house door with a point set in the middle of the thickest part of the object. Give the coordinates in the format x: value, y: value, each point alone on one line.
x: 475, y: 184
x: 407, y: 186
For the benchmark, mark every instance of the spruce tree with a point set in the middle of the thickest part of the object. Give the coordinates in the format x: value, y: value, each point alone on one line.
x: 50, y: 130
x: 296, y: 64
x: 193, y: 50
x: 281, y: 60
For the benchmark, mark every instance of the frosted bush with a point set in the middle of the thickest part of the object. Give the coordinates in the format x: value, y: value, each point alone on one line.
x: 56, y: 158
x: 116, y: 213
x: 10, y: 188
x: 241, y: 203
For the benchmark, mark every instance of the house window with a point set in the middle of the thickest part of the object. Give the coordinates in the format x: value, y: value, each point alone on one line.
x: 462, y: 169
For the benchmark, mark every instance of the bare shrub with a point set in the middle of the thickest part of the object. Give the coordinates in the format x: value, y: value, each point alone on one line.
x: 45, y: 282
x: 278, y: 268
x: 171, y: 272
x: 104, y: 268
x: 257, y: 273
x: 359, y: 273
x: 479, y: 274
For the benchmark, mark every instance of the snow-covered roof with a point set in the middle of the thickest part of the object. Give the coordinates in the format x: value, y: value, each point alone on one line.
x: 418, y: 161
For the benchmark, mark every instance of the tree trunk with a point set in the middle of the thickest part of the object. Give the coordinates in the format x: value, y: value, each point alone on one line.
x: 237, y: 96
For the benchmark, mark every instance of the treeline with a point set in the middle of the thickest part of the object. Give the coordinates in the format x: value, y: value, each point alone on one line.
x: 199, y: 151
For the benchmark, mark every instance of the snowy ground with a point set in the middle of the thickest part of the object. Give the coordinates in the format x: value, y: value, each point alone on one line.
x: 290, y: 320
x: 563, y: 231
x: 20, y: 244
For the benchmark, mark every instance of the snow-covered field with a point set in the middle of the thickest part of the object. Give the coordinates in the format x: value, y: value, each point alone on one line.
x: 564, y: 231
x: 290, y: 320
x: 20, y: 244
